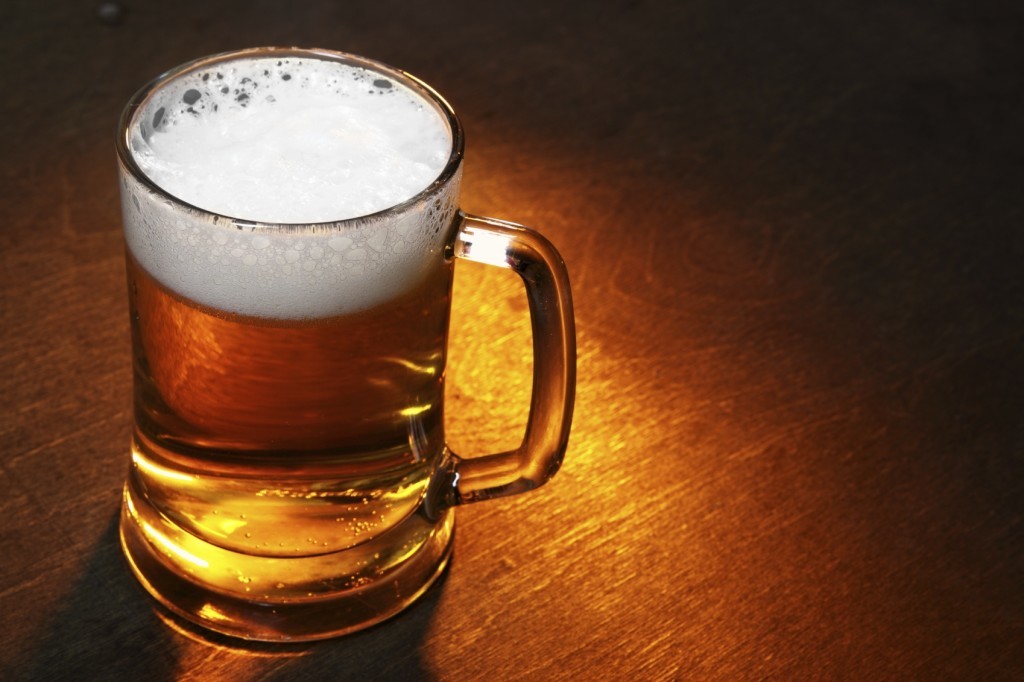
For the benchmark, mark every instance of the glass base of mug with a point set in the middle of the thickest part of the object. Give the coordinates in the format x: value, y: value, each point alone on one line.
x: 277, y: 599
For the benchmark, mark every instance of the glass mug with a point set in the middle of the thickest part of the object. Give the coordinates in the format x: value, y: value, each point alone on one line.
x: 289, y: 475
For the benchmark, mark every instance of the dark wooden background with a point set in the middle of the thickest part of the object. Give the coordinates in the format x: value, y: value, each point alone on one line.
x: 795, y: 233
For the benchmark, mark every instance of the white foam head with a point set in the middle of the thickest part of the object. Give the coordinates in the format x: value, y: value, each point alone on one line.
x: 291, y: 139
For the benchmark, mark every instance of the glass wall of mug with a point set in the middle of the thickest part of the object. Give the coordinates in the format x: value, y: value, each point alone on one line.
x: 289, y: 476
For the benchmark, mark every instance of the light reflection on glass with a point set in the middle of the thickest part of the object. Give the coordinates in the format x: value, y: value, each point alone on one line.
x: 168, y: 544
x: 157, y: 470
x: 210, y: 612
x: 487, y: 247
x: 415, y: 410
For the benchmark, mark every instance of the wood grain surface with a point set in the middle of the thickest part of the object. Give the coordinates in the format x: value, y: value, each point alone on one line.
x: 795, y: 234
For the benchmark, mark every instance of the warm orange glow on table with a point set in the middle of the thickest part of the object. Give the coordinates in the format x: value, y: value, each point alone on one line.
x: 793, y: 239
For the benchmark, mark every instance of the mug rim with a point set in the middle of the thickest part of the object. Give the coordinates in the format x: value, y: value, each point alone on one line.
x: 138, y: 101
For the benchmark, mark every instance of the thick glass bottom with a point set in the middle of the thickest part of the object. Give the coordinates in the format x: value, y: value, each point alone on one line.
x: 273, y: 598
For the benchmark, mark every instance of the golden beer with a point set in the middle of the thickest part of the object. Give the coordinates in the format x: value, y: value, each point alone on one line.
x: 258, y: 438
x: 359, y: 396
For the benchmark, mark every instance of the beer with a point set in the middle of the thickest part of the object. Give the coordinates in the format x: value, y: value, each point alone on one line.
x: 289, y: 381
x: 356, y: 397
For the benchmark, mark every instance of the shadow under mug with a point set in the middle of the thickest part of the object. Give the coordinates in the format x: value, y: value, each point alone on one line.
x: 289, y: 475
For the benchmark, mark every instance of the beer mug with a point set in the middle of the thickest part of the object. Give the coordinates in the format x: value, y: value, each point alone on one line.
x: 291, y: 222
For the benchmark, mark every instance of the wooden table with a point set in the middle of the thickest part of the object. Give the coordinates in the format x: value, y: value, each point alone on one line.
x: 795, y: 236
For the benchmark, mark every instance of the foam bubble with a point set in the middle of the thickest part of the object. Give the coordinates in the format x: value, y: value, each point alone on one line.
x: 291, y: 140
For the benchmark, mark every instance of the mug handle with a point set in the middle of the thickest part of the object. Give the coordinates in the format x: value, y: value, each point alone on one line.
x: 518, y: 248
